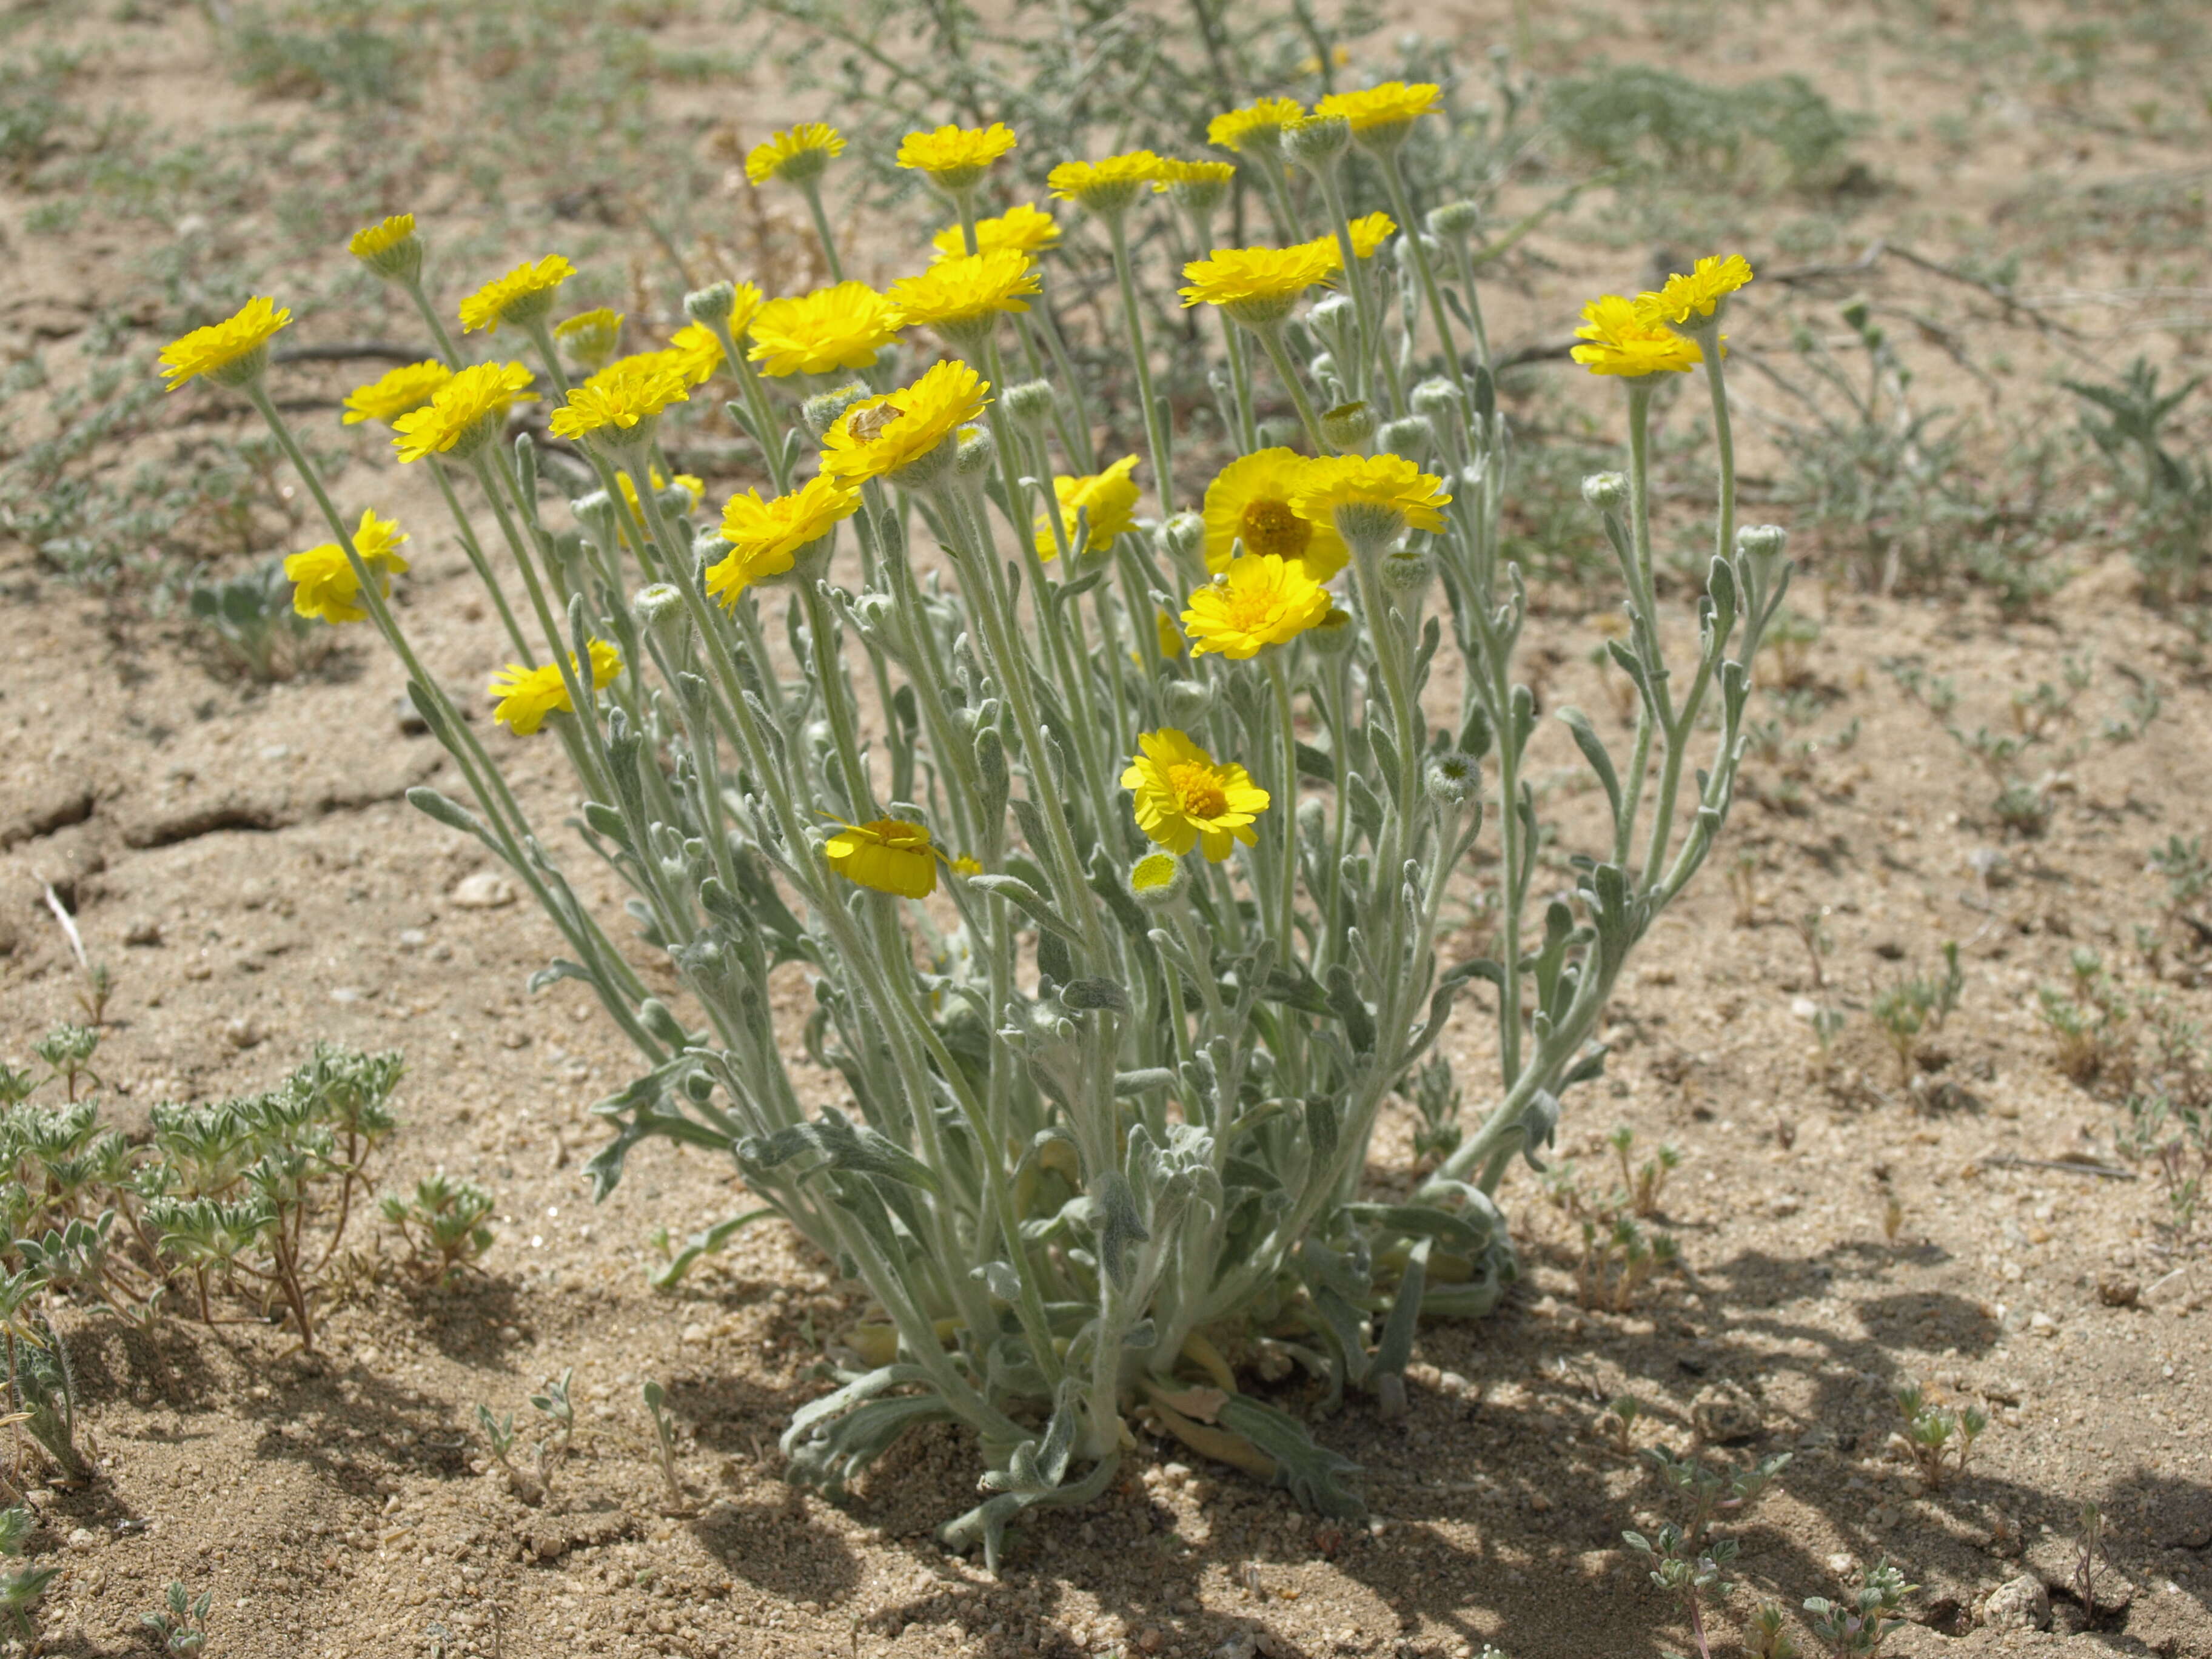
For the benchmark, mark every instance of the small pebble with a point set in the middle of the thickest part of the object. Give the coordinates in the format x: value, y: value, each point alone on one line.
x: 487, y: 889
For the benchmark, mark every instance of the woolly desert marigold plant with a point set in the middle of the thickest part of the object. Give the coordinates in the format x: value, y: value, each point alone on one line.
x: 879, y: 437
x: 1249, y: 502
x: 521, y: 297
x: 1618, y: 339
x: 1690, y: 300
x: 1382, y: 111
x: 1108, y: 501
x: 1023, y: 227
x: 1370, y: 498
x: 765, y: 537
x: 618, y: 403
x: 842, y: 326
x: 463, y: 415
x: 887, y: 854
x: 323, y: 581
x: 1107, y: 186
x: 795, y: 155
x: 1182, y: 798
x: 957, y: 295
x: 389, y: 247
x: 1258, y: 286
x: 524, y: 697
x: 1259, y: 600
x: 954, y: 158
x: 396, y: 391
x: 231, y: 352
x: 1257, y: 126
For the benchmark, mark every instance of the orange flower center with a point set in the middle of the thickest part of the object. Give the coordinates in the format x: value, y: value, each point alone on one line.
x: 1271, y: 527
x: 1197, y: 792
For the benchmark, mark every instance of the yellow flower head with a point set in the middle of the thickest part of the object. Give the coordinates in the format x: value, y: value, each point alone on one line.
x: 231, y: 352
x: 322, y: 578
x: 959, y: 295
x: 880, y: 437
x: 389, y: 248
x: 1258, y: 601
x: 1618, y: 340
x: 1168, y: 634
x: 695, y: 353
x: 1258, y: 286
x: 1107, y: 186
x: 1184, y: 800
x: 839, y: 327
x: 523, y: 295
x: 465, y: 414
x: 766, y: 537
x: 591, y: 337
x: 1368, y: 232
x: 744, y: 305
x: 695, y: 488
x: 1383, y: 113
x: 1257, y: 125
x: 621, y: 400
x: 397, y: 393
x: 1107, y: 500
x: 888, y: 854
x: 1024, y: 229
x: 964, y: 867
x: 1197, y: 187
x: 526, y: 696
x: 1370, y: 498
x: 1249, y: 502
x: 1691, y: 298
x: 956, y: 157
x: 797, y: 156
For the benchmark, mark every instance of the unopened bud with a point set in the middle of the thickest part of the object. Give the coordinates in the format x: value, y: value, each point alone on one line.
x: 1606, y: 491
x: 595, y: 512
x: 1157, y: 879
x: 1456, y: 219
x: 1437, y: 395
x: 823, y: 411
x: 977, y: 454
x: 660, y: 609
x: 1451, y: 778
x: 1180, y: 537
x: 1318, y: 141
x: 1030, y: 402
x: 1186, y: 703
x: 1348, y: 425
x: 1410, y: 437
x: 1407, y: 571
x: 1763, y: 542
x: 711, y: 305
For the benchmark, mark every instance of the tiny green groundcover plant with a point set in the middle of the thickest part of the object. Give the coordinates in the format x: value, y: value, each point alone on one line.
x: 1114, y: 852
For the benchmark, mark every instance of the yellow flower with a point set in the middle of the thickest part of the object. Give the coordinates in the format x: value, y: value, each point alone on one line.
x: 766, y: 537
x: 1197, y: 187
x: 1107, y: 186
x: 888, y: 854
x: 744, y: 305
x: 1249, y: 502
x: 1383, y: 111
x: 622, y: 399
x: 1369, y: 233
x: 591, y: 336
x: 1109, y: 499
x: 957, y: 295
x: 1698, y: 295
x: 694, y: 487
x: 839, y: 327
x: 1257, y: 124
x: 526, y: 696
x: 1170, y: 636
x: 398, y: 391
x: 323, y: 583
x: 463, y: 414
x: 695, y: 353
x: 1620, y: 341
x: 878, y: 436
x: 1184, y: 800
x: 231, y: 352
x: 1258, y: 285
x: 1024, y: 229
x: 965, y: 867
x: 523, y: 295
x: 389, y: 248
x: 1259, y: 600
x: 956, y: 157
x: 1369, y: 497
x: 798, y: 155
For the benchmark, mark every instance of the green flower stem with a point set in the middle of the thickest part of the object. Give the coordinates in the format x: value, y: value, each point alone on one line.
x: 1278, y: 681
x: 1085, y: 449
x: 1271, y: 337
x: 1240, y: 380
x: 1463, y: 266
x: 482, y: 565
x: 1280, y: 207
x: 1373, y: 344
x: 1158, y: 424
x: 811, y: 189
x: 1708, y: 343
x: 446, y: 349
x: 829, y: 679
x: 1395, y: 186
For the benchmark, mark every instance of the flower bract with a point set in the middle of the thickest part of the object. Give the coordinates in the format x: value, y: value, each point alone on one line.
x: 323, y: 580
x: 521, y: 296
x: 1183, y: 799
x: 230, y: 352
x: 462, y: 413
x: 797, y: 155
x: 526, y: 696
x: 396, y: 393
x: 878, y: 436
x: 766, y: 536
x: 839, y: 327
x: 1108, y: 501
x: 1618, y: 339
x: 1259, y: 600
x: 887, y: 854
x: 1249, y: 502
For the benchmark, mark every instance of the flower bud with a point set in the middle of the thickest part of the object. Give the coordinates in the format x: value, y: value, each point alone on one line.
x: 1317, y: 142
x: 1451, y: 779
x: 1606, y: 491
x: 1157, y: 879
x: 595, y: 512
x: 1179, y: 537
x: 823, y: 411
x: 711, y: 305
x: 1348, y: 425
x: 1456, y: 219
x: 1761, y: 541
x: 1278, y: 432
x: 707, y: 547
x: 660, y: 609
x: 1410, y: 437
x: 1322, y: 366
x: 1186, y: 703
x: 1437, y: 395
x: 1407, y: 571
x: 978, y: 452
x: 1030, y: 402
x: 1332, y: 312
x: 1335, y: 633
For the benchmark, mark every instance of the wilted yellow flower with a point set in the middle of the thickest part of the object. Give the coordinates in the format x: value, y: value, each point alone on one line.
x: 1258, y: 285
x: 1698, y: 295
x: 1259, y: 124
x: 1620, y: 341
x: 1183, y: 799
x: 1108, y: 499
x: 322, y: 578
x: 1259, y: 600
x: 463, y: 413
x: 1249, y: 502
x: 1107, y: 186
x: 526, y: 696
x: 1370, y: 498
x: 389, y: 248
x: 766, y: 537
x: 591, y: 336
x: 796, y: 156
x: 839, y: 327
x: 695, y: 488
x: 396, y: 393
x: 231, y: 352
x: 957, y: 295
x: 1382, y: 112
x: 888, y: 854
x: 1024, y: 229
x: 878, y: 436
x: 956, y: 157
x: 523, y: 295
x: 622, y: 399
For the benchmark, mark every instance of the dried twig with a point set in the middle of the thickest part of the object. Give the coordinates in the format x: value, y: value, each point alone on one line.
x: 2071, y: 1166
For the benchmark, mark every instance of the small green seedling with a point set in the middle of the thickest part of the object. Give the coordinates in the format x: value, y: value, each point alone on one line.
x: 1940, y: 1442
x: 663, y: 1435
x: 1858, y: 1627
x: 180, y: 1626
x: 20, y: 1583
